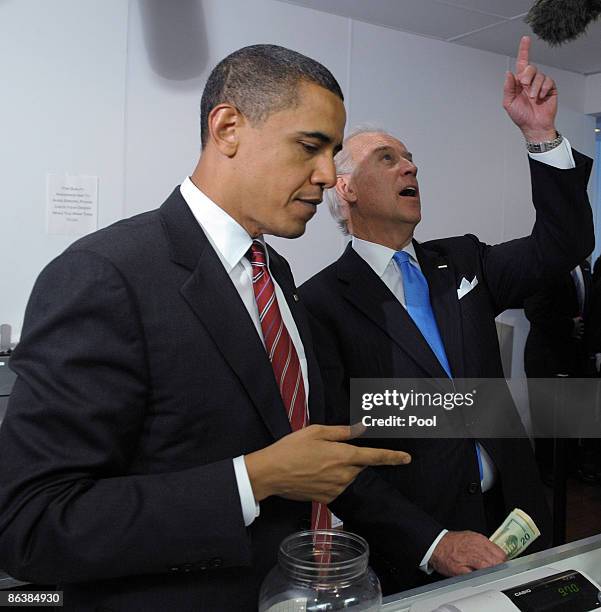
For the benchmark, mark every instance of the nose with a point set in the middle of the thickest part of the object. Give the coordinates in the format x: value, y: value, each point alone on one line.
x: 324, y: 174
x: 408, y: 167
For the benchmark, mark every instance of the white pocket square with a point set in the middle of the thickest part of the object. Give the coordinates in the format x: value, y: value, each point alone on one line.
x: 465, y: 287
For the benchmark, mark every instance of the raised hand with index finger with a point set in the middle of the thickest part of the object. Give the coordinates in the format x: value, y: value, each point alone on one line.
x: 530, y: 98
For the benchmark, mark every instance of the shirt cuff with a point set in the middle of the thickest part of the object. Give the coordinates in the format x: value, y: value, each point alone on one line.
x: 425, y: 564
x: 560, y: 157
x: 250, y: 508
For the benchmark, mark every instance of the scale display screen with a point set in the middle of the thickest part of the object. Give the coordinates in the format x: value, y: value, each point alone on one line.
x: 568, y: 591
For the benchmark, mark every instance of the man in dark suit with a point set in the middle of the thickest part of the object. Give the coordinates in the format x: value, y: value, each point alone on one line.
x: 558, y: 341
x: 559, y: 344
x: 146, y: 425
x: 392, y: 307
x: 592, y: 449
x: 595, y: 318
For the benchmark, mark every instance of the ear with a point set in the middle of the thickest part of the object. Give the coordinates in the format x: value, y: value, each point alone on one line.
x: 345, y: 189
x: 225, y: 121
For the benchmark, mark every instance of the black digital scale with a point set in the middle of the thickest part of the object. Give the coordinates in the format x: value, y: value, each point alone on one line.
x: 568, y: 591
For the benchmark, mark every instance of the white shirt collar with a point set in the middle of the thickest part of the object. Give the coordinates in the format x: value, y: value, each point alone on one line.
x: 379, y: 256
x: 226, y: 235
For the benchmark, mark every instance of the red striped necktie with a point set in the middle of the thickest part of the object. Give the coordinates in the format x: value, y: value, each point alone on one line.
x: 284, y: 359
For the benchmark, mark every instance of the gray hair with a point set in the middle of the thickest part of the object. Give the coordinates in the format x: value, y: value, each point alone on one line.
x: 345, y: 164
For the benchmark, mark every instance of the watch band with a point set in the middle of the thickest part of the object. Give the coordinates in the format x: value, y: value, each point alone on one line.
x: 543, y: 147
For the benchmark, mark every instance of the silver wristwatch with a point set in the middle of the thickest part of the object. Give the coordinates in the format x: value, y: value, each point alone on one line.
x: 543, y: 147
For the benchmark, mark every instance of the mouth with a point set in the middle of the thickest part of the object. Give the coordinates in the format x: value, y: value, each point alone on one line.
x: 408, y: 192
x: 309, y: 205
x: 311, y: 201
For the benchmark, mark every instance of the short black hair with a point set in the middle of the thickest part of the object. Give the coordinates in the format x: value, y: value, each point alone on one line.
x: 259, y: 80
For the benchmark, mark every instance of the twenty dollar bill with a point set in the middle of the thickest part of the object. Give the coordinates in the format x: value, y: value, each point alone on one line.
x: 516, y: 533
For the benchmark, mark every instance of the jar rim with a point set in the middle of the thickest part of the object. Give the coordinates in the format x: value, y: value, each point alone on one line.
x: 326, y: 570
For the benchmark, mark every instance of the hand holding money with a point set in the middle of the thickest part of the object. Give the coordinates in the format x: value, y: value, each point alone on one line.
x: 516, y: 533
x: 461, y: 552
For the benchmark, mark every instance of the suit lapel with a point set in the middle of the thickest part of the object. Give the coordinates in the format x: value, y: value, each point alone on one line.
x: 441, y: 278
x: 214, y: 299
x: 363, y: 288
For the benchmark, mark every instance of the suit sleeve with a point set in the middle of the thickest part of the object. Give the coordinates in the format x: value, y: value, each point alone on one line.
x: 370, y: 505
x: 70, y: 508
x: 561, y: 238
x: 541, y: 310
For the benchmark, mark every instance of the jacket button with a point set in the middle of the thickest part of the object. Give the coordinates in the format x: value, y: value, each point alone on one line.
x: 473, y: 488
x: 174, y: 569
x: 215, y: 562
x: 187, y: 567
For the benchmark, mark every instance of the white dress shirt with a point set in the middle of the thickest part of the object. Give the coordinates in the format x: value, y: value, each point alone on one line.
x: 380, y: 259
x: 231, y: 242
x: 578, y: 280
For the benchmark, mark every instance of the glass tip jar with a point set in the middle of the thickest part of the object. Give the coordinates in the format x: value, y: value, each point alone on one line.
x: 321, y: 571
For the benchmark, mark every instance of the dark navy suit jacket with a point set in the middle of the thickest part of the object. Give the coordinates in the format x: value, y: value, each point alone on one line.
x: 140, y: 377
x: 550, y: 348
x: 362, y: 331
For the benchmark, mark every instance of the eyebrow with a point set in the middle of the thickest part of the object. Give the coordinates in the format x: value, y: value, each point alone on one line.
x: 323, y: 138
x: 407, y: 155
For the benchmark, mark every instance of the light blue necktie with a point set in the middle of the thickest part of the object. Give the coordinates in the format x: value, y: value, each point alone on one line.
x: 417, y: 300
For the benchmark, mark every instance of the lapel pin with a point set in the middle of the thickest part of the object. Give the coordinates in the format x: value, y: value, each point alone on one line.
x: 295, y: 296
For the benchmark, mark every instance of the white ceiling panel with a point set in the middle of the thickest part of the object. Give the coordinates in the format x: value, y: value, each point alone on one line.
x: 582, y: 55
x: 502, y: 8
x: 426, y: 17
x: 491, y: 25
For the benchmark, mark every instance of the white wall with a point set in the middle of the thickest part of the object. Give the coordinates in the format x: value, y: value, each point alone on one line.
x: 62, y: 69
x: 88, y: 93
x: 592, y: 94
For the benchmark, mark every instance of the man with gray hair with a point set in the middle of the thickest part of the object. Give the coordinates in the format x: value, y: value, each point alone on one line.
x: 391, y: 307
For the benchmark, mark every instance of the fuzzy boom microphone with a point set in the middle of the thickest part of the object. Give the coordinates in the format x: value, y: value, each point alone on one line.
x: 557, y: 21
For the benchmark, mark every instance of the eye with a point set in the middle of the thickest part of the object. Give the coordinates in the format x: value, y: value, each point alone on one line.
x: 309, y: 147
x: 387, y: 157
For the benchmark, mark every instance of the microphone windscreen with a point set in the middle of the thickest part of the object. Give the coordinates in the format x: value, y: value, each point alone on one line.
x: 557, y: 21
